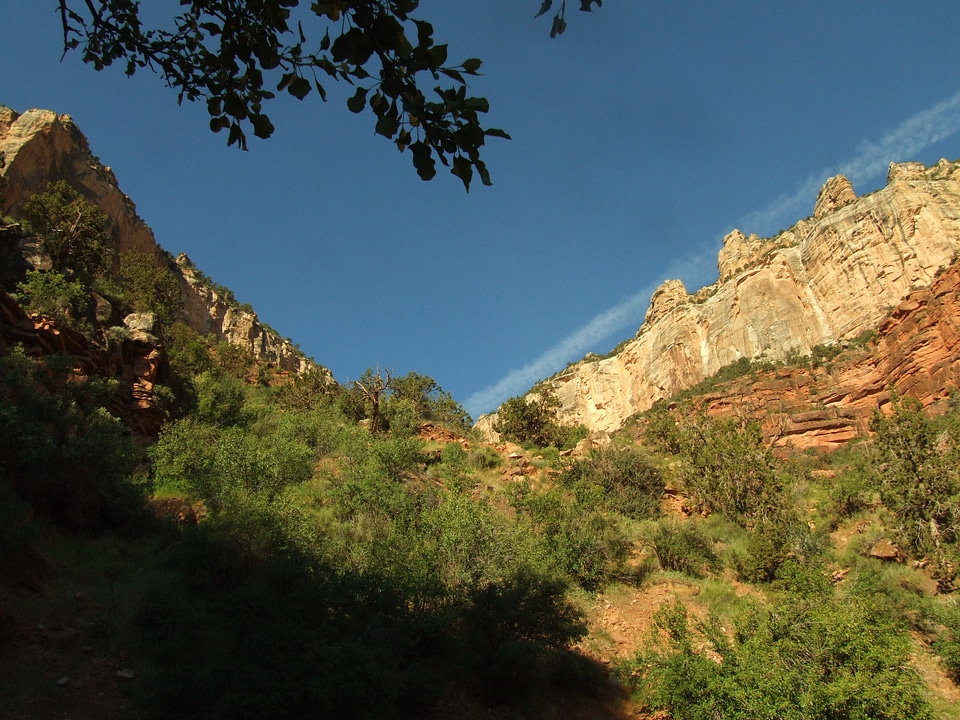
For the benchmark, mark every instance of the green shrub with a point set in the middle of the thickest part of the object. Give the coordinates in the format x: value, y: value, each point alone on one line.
x: 429, y: 402
x: 917, y: 472
x: 947, y: 643
x: 50, y: 293
x: 771, y: 541
x: 308, y: 391
x: 851, y: 491
x: 532, y: 418
x: 582, y: 541
x: 149, y: 285
x: 220, y: 399
x: 62, y: 451
x: 683, y: 547
x: 661, y: 430
x: 726, y: 468
x: 484, y: 457
x: 225, y: 465
x: 630, y: 485
x: 807, y: 655
x: 71, y: 230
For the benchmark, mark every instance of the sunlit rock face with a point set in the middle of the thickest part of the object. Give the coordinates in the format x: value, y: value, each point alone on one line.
x: 915, y: 353
x: 39, y: 146
x: 826, y: 279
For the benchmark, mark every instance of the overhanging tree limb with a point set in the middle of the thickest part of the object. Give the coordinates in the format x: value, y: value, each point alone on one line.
x: 235, y: 54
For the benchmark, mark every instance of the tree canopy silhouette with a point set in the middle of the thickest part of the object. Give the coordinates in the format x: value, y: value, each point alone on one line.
x: 237, y: 54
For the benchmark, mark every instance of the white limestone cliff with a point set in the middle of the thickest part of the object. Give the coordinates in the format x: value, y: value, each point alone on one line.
x: 826, y: 279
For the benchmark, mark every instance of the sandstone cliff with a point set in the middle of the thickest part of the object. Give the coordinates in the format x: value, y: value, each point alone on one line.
x: 39, y: 147
x: 826, y: 279
x: 916, y: 354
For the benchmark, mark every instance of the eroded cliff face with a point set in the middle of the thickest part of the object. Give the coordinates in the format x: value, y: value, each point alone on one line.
x: 40, y: 146
x: 208, y: 312
x: 916, y: 354
x: 826, y: 279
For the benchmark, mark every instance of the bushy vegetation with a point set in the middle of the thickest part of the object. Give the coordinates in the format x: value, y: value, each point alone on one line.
x: 71, y: 230
x: 60, y: 448
x: 619, y: 480
x: 532, y: 419
x: 328, y: 565
x: 916, y: 470
x: 809, y: 654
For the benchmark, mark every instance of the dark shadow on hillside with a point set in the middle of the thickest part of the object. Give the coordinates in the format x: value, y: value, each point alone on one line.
x: 230, y: 636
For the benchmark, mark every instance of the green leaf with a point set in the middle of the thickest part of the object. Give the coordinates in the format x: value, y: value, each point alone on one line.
x: 463, y: 169
x: 359, y: 100
x: 559, y: 25
x: 544, y: 7
x: 299, y: 87
x: 471, y: 65
x: 423, y: 160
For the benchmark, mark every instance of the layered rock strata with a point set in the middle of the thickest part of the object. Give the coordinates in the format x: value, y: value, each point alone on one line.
x: 826, y: 279
x: 39, y: 147
x: 916, y: 354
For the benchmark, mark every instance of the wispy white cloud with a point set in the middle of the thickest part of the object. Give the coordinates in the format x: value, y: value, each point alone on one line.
x: 870, y: 159
x: 694, y: 269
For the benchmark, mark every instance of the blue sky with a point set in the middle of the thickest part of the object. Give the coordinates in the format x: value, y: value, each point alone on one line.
x: 640, y: 138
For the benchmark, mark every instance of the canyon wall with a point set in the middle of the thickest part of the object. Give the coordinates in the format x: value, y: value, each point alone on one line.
x: 825, y: 280
x: 39, y: 146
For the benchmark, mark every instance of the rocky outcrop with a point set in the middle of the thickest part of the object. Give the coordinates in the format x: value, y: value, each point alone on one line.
x: 826, y: 279
x: 136, y: 360
x: 209, y: 312
x: 39, y: 147
x: 916, y: 354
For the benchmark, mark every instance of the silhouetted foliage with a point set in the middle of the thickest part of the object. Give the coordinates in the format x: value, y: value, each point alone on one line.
x: 235, y: 56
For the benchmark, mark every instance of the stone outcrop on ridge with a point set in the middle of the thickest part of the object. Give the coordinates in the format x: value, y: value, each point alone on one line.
x: 39, y: 146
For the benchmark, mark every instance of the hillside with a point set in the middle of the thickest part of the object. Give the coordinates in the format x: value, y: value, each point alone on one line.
x: 825, y: 280
x: 190, y: 529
